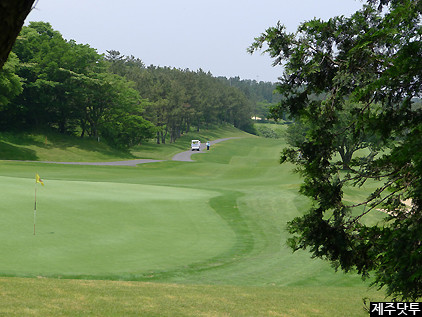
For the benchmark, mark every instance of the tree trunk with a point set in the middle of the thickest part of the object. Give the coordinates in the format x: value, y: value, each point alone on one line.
x: 346, y: 155
x: 12, y: 17
x: 158, y: 137
x: 187, y: 126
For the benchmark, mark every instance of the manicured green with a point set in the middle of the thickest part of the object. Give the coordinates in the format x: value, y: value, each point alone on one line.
x: 217, y: 221
x: 107, y: 229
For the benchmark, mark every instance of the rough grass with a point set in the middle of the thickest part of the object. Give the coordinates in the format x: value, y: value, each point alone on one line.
x: 52, y: 297
x: 53, y: 147
x: 268, y: 130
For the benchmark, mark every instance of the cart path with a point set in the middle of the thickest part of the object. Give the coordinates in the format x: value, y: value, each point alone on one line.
x: 186, y: 156
x: 182, y: 157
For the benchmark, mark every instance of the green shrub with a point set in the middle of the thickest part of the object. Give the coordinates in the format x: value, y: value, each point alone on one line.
x: 269, y: 131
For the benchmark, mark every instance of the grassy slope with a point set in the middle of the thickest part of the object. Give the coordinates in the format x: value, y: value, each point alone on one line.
x: 243, y: 198
x: 53, y: 147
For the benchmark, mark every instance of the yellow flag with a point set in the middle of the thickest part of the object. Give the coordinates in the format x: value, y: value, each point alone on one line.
x: 38, y: 179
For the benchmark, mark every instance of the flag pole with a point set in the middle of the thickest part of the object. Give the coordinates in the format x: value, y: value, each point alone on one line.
x: 35, y: 206
x: 37, y: 180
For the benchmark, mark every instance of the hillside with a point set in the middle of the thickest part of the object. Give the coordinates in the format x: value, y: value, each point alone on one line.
x: 62, y: 148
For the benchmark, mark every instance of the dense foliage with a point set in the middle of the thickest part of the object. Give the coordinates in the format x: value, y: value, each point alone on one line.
x: 179, y: 100
x: 65, y: 86
x: 368, y: 64
x: 262, y: 94
x: 50, y: 82
x: 10, y: 83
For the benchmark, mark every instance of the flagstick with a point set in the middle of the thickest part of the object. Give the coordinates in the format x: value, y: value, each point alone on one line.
x: 35, y: 206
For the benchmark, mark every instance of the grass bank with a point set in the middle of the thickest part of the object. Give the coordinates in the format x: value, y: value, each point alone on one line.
x: 62, y: 148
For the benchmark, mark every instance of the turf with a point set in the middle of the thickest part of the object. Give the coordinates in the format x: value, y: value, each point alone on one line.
x: 218, y: 221
x: 49, y: 297
x: 100, y: 228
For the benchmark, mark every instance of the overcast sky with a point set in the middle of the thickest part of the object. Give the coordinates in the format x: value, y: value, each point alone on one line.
x: 208, y: 34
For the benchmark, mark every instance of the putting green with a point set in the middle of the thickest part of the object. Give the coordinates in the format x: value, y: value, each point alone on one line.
x: 104, y: 228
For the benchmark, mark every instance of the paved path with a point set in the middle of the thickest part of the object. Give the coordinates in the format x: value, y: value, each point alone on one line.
x: 115, y: 163
x: 184, y: 157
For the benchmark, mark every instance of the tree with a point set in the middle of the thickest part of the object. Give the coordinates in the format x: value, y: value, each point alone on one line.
x: 179, y: 99
x: 345, y: 144
x: 50, y: 65
x: 373, y: 60
x: 67, y: 87
x: 10, y: 83
x: 12, y: 17
x: 121, y: 122
x: 261, y: 94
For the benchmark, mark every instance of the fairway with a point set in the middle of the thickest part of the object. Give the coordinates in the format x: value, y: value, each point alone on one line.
x: 219, y: 220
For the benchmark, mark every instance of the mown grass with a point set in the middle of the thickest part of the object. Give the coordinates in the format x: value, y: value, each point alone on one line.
x: 151, y: 150
x: 210, y: 234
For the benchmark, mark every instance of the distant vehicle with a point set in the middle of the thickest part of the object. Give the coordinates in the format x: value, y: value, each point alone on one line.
x: 195, y: 145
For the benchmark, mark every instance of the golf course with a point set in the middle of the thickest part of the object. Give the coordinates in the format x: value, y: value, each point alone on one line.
x: 167, y: 238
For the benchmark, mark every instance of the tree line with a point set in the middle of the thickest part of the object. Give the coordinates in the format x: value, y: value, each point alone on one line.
x: 50, y: 82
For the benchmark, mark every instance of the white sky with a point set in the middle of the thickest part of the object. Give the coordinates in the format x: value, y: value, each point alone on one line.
x: 208, y: 34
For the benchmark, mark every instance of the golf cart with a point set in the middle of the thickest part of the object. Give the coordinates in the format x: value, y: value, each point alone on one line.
x: 196, y: 145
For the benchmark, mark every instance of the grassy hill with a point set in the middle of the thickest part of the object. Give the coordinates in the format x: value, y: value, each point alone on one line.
x: 173, y: 238
x: 62, y: 148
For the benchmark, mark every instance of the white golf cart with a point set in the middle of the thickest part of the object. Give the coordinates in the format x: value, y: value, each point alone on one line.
x: 195, y: 145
